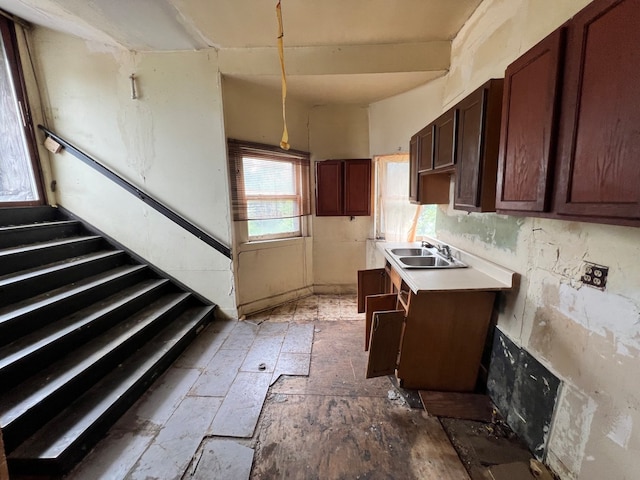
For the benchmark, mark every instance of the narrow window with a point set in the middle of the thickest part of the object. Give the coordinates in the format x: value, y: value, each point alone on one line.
x: 397, y: 220
x: 19, y: 180
x: 270, y: 189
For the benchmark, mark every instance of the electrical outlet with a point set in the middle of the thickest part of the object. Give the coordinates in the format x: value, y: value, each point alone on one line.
x: 595, y: 275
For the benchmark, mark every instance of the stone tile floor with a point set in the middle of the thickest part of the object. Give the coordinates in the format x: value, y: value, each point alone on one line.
x: 206, y: 416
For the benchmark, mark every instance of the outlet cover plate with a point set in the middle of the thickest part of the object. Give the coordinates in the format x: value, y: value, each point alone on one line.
x: 595, y: 275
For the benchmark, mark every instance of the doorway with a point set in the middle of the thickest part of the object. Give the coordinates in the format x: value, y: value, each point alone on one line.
x: 20, y: 179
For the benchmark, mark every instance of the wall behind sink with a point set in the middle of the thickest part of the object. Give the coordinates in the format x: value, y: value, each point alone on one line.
x: 589, y: 338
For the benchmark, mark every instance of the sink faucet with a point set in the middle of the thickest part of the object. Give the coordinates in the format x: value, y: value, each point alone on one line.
x: 445, y: 251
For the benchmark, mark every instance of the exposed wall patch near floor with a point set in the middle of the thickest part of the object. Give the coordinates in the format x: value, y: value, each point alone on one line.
x: 524, y: 391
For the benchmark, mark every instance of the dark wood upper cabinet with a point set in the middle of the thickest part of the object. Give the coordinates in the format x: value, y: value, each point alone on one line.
x: 413, y: 169
x: 425, y: 149
x: 444, y: 140
x: 329, y: 188
x: 357, y: 187
x: 529, y: 123
x: 599, y: 142
x: 477, y: 148
x: 343, y: 187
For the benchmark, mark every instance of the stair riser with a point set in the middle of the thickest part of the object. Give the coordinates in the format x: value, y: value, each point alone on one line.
x: 30, y: 259
x: 93, y: 434
x: 24, y: 215
x: 14, y: 373
x: 24, y: 324
x: 22, y: 427
x: 31, y: 287
x: 14, y: 238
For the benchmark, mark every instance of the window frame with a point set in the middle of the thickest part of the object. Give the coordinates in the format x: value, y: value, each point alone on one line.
x: 239, y: 150
x: 10, y: 42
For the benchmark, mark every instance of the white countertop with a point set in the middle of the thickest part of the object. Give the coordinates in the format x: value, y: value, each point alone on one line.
x: 480, y: 274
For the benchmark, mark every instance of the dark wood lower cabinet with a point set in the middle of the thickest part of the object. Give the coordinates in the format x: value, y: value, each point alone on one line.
x: 431, y: 340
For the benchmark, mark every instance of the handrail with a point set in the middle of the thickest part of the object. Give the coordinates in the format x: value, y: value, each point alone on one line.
x: 145, y: 197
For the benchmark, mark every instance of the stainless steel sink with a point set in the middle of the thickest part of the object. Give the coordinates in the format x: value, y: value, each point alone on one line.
x: 425, y: 262
x: 427, y: 258
x: 409, y: 252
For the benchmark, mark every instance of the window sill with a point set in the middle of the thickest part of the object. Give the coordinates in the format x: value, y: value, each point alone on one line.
x: 271, y: 243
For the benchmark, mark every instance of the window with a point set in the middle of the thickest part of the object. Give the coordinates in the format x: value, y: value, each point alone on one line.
x: 19, y: 183
x: 397, y: 220
x: 270, y: 189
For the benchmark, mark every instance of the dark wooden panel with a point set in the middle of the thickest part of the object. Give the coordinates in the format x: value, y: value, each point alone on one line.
x: 444, y: 140
x: 329, y: 184
x: 425, y: 149
x: 466, y: 406
x: 385, y: 343
x: 468, y: 171
x: 529, y: 112
x: 376, y: 303
x: 600, y: 134
x: 357, y: 187
x: 443, y: 340
x: 370, y: 282
x: 477, y: 148
x: 434, y: 188
x: 413, y: 169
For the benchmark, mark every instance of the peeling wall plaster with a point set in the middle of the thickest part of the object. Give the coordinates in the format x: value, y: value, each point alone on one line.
x: 589, y: 338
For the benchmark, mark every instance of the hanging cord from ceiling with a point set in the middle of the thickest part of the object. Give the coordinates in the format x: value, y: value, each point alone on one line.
x: 284, y: 143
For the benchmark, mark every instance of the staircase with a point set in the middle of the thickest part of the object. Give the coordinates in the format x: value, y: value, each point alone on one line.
x: 84, y: 330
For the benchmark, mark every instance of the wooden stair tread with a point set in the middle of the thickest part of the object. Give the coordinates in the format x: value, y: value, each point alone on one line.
x: 70, y: 426
x: 42, y: 300
x: 55, y: 267
x: 27, y: 395
x: 6, y: 252
x: 48, y: 335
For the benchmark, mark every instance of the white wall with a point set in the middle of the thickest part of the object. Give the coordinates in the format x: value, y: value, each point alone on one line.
x: 587, y: 337
x: 272, y: 272
x: 339, y: 243
x: 394, y: 120
x: 170, y: 142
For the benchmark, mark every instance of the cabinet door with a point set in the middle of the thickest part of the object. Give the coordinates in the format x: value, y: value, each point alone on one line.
x: 444, y: 140
x: 373, y: 304
x: 371, y: 282
x: 477, y: 148
x: 357, y: 187
x: 600, y: 123
x: 529, y: 112
x: 413, y: 169
x: 385, y: 343
x: 329, y: 188
x: 425, y: 149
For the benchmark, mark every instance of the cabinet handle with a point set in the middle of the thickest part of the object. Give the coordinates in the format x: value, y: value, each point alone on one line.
x: 376, y: 322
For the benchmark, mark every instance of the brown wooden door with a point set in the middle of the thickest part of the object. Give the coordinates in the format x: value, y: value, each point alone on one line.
x: 373, y: 304
x: 471, y: 113
x: 600, y: 124
x: 413, y: 169
x: 371, y: 282
x: 425, y: 149
x: 477, y: 148
x: 444, y: 140
x: 329, y: 188
x: 357, y: 187
x: 385, y: 343
x: 529, y: 113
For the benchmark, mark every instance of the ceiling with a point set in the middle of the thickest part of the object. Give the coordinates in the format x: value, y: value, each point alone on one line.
x: 319, y: 32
